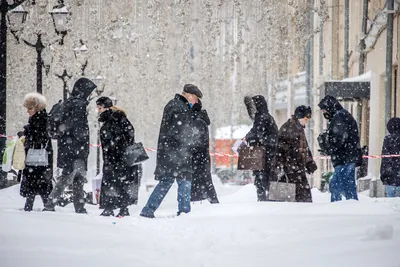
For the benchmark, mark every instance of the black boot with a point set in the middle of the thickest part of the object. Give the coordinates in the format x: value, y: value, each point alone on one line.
x: 124, y: 211
x: 107, y: 213
x: 29, y: 203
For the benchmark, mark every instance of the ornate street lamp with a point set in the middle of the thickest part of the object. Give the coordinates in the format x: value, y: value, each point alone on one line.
x: 16, y: 18
x: 60, y: 15
x: 81, y: 54
x: 64, y: 77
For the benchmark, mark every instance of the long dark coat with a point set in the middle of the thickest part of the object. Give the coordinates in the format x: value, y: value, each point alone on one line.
x: 174, y: 149
x: 119, y: 180
x: 342, y: 141
x: 264, y: 131
x: 202, y: 185
x: 73, y: 143
x: 294, y: 156
x: 390, y: 168
x: 37, y: 180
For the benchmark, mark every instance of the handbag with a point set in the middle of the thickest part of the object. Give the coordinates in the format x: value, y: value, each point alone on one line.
x: 37, y: 157
x: 282, y: 191
x: 251, y: 158
x: 135, y: 154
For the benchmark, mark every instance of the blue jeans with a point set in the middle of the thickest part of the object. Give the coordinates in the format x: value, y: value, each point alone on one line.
x: 161, y: 190
x: 391, y: 190
x: 343, y: 182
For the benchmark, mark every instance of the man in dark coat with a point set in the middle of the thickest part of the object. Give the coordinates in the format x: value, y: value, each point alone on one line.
x: 174, y: 151
x: 263, y: 133
x: 293, y: 155
x: 202, y: 185
x: 390, y: 168
x: 342, y: 142
x: 73, y: 146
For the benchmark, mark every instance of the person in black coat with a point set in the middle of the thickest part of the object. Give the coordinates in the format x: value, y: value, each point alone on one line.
x: 36, y: 180
x: 120, y: 181
x: 263, y: 133
x: 73, y: 146
x: 342, y: 142
x: 202, y: 185
x: 174, y: 151
x: 390, y: 167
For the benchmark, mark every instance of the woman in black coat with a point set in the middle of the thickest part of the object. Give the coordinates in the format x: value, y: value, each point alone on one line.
x: 202, y: 185
x: 263, y: 133
x: 36, y: 180
x: 120, y: 182
x: 390, y: 168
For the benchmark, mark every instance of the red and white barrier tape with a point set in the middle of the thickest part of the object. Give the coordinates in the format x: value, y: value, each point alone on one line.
x: 235, y: 156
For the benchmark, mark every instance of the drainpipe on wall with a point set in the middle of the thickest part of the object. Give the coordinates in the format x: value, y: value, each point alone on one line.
x: 346, y: 39
x: 389, y: 60
x: 309, y: 66
x: 364, y: 33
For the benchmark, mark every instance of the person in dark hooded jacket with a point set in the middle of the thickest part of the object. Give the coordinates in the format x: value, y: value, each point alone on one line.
x: 263, y: 133
x: 202, y: 185
x: 293, y: 155
x: 73, y: 146
x: 390, y: 167
x: 342, y: 142
x: 120, y: 182
x: 36, y: 180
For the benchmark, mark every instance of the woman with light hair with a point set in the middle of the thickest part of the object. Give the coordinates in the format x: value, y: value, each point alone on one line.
x: 37, y: 179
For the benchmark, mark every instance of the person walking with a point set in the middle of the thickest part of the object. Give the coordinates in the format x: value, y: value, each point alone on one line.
x: 390, y: 167
x: 73, y: 146
x: 36, y: 180
x: 120, y: 182
x: 174, y: 151
x: 263, y: 133
x: 202, y: 185
x: 342, y: 142
x: 293, y: 155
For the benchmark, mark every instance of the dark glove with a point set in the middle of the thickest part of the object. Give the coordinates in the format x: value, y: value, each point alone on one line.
x: 311, y: 167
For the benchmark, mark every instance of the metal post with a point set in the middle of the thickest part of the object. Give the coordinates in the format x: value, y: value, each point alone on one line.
x: 346, y: 39
x: 309, y: 64
x: 389, y: 59
x: 39, y: 62
x: 63, y: 77
x: 3, y: 84
x: 362, y: 42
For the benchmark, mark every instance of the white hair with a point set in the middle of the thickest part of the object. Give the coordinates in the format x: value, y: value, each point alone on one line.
x: 35, y: 100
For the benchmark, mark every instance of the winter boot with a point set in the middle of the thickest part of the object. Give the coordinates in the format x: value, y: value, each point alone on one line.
x: 29, y: 203
x: 107, y: 213
x: 145, y: 215
x: 124, y: 211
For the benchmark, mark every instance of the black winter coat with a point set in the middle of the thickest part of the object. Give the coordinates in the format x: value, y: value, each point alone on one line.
x: 116, y: 134
x: 73, y: 143
x: 390, y: 168
x: 264, y: 131
x: 202, y: 186
x: 37, y: 180
x: 175, y: 141
x: 341, y: 141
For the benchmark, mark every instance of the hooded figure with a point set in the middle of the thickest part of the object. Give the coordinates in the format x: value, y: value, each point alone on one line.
x: 73, y: 145
x: 202, y: 185
x: 119, y: 186
x: 390, y: 168
x: 263, y: 133
x: 342, y: 142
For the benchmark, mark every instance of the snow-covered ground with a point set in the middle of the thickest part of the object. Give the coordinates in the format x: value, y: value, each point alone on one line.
x: 239, y: 232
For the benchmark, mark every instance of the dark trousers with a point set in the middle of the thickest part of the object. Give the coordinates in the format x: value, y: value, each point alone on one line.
x: 303, y: 190
x: 30, y: 199
x: 261, y: 182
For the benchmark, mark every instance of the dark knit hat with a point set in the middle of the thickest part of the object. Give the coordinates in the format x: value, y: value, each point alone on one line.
x: 104, y: 101
x: 192, y: 89
x: 302, y: 112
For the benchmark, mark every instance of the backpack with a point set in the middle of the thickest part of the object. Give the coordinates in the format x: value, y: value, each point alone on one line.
x: 55, y: 120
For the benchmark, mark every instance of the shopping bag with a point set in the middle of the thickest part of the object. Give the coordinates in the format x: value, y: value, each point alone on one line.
x: 251, y: 158
x: 19, y: 156
x: 96, y: 186
x: 135, y: 154
x: 8, y: 155
x: 282, y: 191
x: 37, y: 157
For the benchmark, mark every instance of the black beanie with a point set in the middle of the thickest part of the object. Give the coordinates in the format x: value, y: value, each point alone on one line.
x: 104, y: 101
x: 302, y: 112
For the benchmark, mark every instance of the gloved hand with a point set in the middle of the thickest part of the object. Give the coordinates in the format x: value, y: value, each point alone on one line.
x: 311, y: 167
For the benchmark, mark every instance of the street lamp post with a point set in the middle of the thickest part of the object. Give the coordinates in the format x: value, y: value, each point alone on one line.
x: 39, y: 62
x: 64, y: 79
x: 60, y: 16
x: 98, y: 80
x: 81, y: 55
x: 4, y: 8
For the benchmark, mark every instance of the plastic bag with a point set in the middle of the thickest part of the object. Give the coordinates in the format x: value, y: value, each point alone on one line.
x: 8, y: 155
